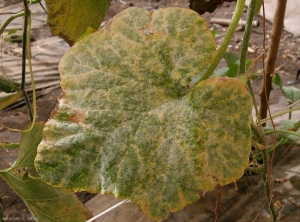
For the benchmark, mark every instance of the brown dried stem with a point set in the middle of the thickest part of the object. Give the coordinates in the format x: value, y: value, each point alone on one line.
x: 270, y: 60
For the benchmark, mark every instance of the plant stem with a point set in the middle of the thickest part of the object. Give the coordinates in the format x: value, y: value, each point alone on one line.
x: 280, y: 114
x: 28, y: 105
x: 33, y: 1
x: 31, y: 75
x: 245, y: 45
x: 9, y: 145
x: 272, y: 56
x: 247, y: 34
x: 281, y: 142
x: 24, y: 44
x: 282, y: 131
x: 290, y: 114
x: 267, y: 184
x: 227, y: 38
x: 266, y: 169
x: 24, y: 53
x: 44, y: 8
x: 6, y: 23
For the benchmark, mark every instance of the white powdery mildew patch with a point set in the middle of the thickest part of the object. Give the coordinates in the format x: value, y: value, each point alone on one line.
x: 121, y: 125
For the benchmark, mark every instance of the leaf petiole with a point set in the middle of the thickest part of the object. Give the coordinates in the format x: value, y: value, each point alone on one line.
x: 9, y: 145
x: 227, y: 38
x: 280, y: 114
x: 239, y: 8
x: 282, y: 131
x: 6, y: 23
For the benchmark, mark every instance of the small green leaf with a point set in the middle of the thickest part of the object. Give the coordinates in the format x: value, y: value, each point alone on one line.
x: 233, y: 63
x: 277, y: 80
x: 8, y: 86
x: 122, y: 126
x: 292, y: 125
x: 70, y: 19
x: 10, y: 32
x: 292, y: 94
x: 10, y: 99
x: 45, y: 202
x: 231, y: 57
x: 214, y: 32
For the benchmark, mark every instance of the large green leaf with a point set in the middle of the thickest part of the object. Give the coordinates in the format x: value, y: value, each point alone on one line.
x: 122, y: 127
x: 73, y: 19
x: 45, y: 202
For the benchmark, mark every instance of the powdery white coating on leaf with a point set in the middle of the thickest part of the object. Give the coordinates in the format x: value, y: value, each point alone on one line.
x: 46, y: 203
x: 122, y: 127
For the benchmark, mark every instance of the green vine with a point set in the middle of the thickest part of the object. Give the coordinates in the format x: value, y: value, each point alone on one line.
x: 9, y: 145
x: 227, y: 38
x: 6, y: 23
x: 26, y: 55
x: 280, y: 114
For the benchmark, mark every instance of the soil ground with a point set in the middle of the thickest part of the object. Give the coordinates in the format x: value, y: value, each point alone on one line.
x: 287, y: 65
